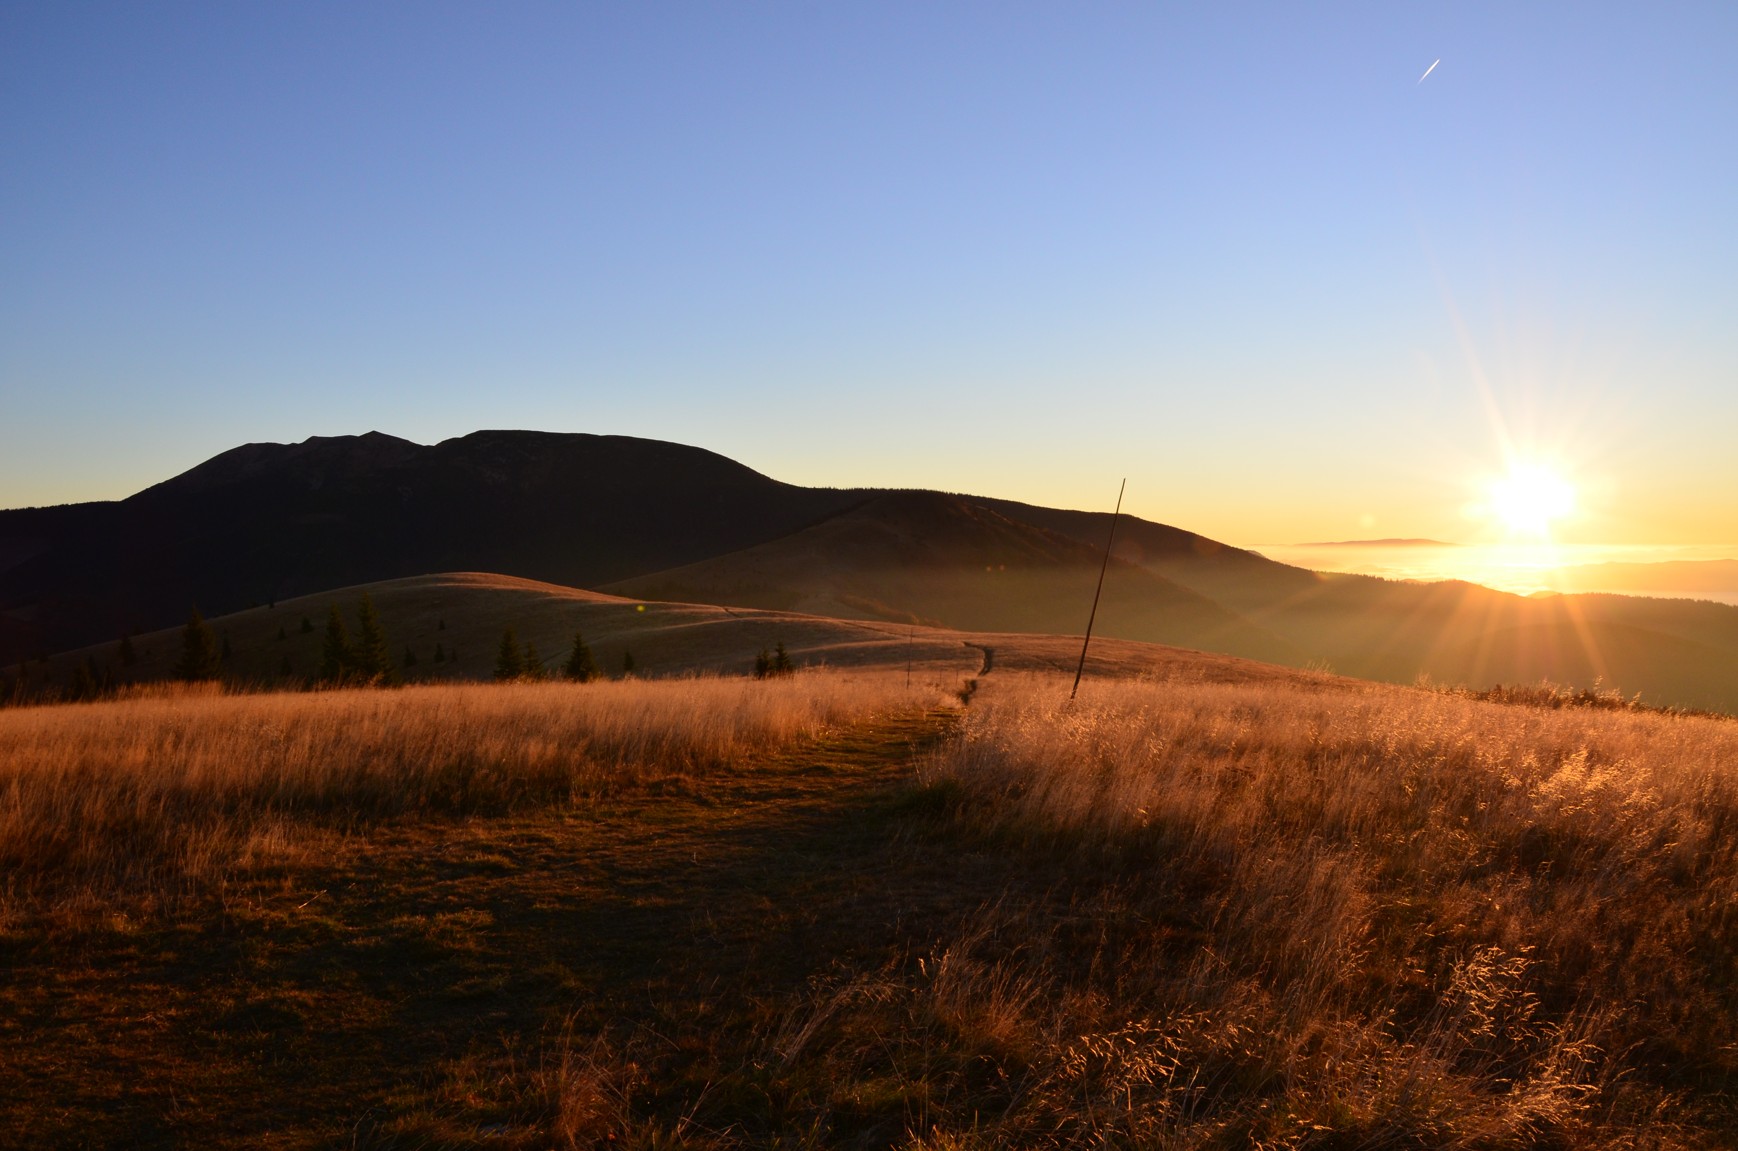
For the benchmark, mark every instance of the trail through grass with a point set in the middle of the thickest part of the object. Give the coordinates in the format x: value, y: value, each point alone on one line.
x: 1290, y: 911
x: 405, y: 992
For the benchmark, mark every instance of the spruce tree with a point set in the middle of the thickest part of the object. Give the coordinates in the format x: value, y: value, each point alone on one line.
x: 627, y: 663
x: 124, y: 652
x: 762, y: 664
x: 409, y: 657
x: 373, y: 659
x: 781, y: 663
x: 225, y: 652
x: 510, y: 662
x: 533, y: 661
x: 200, y: 659
x: 284, y: 668
x: 307, y: 625
x: 336, y: 661
x: 440, y: 655
x: 580, y: 667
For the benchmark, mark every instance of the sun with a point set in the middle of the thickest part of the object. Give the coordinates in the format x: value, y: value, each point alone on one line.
x: 1530, y: 498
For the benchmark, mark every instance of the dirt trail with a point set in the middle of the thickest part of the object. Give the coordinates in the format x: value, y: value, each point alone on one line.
x: 989, y: 654
x: 348, y: 995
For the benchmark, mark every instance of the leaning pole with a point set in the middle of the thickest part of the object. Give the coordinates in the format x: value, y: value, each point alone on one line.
x: 1100, y: 591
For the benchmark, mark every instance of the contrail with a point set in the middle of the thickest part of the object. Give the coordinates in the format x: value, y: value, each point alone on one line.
x: 1430, y: 69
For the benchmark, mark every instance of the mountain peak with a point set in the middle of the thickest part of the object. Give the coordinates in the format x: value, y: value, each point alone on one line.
x: 312, y: 463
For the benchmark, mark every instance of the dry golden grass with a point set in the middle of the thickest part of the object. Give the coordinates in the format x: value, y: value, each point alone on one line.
x: 180, y: 784
x: 1231, y: 908
x: 1406, y: 919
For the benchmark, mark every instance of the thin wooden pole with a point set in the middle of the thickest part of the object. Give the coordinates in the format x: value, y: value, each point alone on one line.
x: 1107, y: 546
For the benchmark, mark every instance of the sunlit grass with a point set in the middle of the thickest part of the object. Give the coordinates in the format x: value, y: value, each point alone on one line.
x: 1293, y: 911
x: 1424, y: 919
x: 177, y: 785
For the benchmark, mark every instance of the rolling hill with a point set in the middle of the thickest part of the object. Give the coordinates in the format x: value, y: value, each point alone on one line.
x: 265, y: 523
x: 452, y: 623
x: 953, y: 562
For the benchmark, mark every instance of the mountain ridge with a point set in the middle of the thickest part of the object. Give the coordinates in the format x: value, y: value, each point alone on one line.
x: 264, y: 522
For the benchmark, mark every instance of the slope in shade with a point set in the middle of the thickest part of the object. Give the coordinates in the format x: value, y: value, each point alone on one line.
x: 947, y: 560
x: 269, y: 521
x: 265, y: 522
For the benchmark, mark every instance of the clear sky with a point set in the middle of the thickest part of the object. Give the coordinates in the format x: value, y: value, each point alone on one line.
x: 1240, y: 254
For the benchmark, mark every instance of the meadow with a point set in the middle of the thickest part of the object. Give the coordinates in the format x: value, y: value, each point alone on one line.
x: 178, y: 785
x: 1184, y: 911
x: 1345, y: 917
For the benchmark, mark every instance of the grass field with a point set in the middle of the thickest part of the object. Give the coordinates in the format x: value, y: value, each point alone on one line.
x: 1205, y: 910
x: 185, y: 786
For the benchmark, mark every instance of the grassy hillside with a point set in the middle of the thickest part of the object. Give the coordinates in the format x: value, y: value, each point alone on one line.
x: 1670, y: 651
x: 266, y: 523
x: 463, y: 615
x: 1222, y: 907
x: 946, y: 561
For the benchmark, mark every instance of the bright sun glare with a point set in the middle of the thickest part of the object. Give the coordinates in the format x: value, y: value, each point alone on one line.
x: 1530, y: 498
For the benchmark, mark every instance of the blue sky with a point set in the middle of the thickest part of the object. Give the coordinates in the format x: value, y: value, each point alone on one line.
x: 1238, y: 253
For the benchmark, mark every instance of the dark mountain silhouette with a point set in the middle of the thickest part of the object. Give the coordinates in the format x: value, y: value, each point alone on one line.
x: 268, y: 521
x: 657, y: 520
x: 957, y: 562
x: 1203, y: 565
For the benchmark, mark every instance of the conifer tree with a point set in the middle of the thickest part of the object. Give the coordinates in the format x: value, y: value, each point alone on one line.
x: 225, y: 653
x: 440, y: 655
x: 510, y: 662
x: 83, y: 685
x: 533, y: 661
x: 307, y: 625
x: 282, y: 634
x: 284, y: 668
x: 372, y: 658
x: 627, y: 663
x: 580, y: 667
x: 200, y: 659
x: 124, y: 652
x: 762, y: 664
x: 781, y: 663
x: 409, y: 657
x: 336, y: 661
